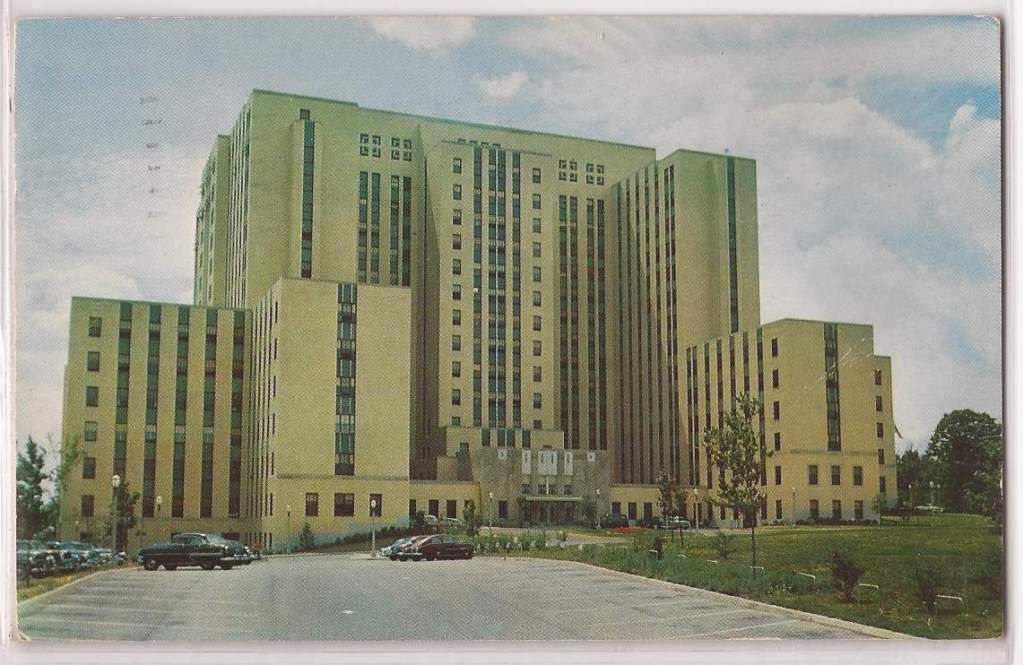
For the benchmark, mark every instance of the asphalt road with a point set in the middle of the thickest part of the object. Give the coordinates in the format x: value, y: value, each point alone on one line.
x: 351, y: 597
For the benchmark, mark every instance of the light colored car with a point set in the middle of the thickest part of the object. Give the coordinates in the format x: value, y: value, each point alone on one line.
x: 391, y: 551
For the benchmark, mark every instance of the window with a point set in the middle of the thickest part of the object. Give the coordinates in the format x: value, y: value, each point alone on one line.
x: 878, y: 403
x: 537, y: 323
x: 537, y: 401
x: 456, y: 216
x: 376, y: 139
x: 92, y: 362
x: 88, y: 468
x: 456, y: 317
x: 836, y: 474
x: 632, y: 510
x: 774, y: 347
x: 537, y: 373
x: 434, y: 507
x: 502, y: 510
x: 92, y: 396
x: 88, y: 505
x: 451, y: 508
x: 812, y: 474
x: 882, y: 485
x: 777, y: 440
x: 95, y: 326
x: 456, y: 291
x: 537, y: 298
x: 90, y: 430
x: 536, y: 273
x: 456, y: 342
x: 880, y: 430
x: 456, y: 165
x: 858, y: 510
x: 777, y: 475
x: 858, y: 475
x: 456, y: 397
x: 777, y: 509
x: 312, y: 504
x: 536, y: 176
x: 536, y: 250
x: 536, y: 201
x: 456, y: 369
x: 776, y: 410
x: 456, y: 241
x: 537, y: 347
x: 456, y: 267
x: 376, y: 505
x: 344, y: 504
x: 774, y: 378
x: 880, y: 455
x: 836, y: 510
x: 877, y: 377
x: 456, y: 192
x: 537, y: 225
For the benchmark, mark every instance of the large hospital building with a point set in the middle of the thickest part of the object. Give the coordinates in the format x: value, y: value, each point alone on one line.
x: 419, y: 314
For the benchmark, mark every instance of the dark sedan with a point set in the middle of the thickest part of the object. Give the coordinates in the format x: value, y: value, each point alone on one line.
x: 194, y: 549
x: 440, y: 546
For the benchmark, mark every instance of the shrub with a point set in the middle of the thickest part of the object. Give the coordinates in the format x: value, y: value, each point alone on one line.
x: 723, y: 544
x: 928, y: 581
x: 845, y: 574
x: 306, y: 540
x: 659, y: 546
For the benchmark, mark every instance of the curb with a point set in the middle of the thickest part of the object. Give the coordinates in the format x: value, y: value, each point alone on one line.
x: 832, y: 622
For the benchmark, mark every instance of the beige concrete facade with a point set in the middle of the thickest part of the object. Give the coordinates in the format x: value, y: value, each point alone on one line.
x: 439, y: 311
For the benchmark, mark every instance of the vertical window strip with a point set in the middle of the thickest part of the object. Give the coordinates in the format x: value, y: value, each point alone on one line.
x: 344, y: 429
x: 394, y: 230
x: 733, y: 250
x: 374, y: 229
x: 308, y: 150
x: 831, y: 386
x: 363, y: 228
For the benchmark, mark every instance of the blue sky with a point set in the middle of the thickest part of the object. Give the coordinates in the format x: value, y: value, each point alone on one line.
x: 877, y: 141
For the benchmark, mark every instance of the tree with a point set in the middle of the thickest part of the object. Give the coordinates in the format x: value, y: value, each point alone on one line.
x: 665, y: 494
x: 966, y: 450
x: 914, y: 471
x: 736, y: 449
x: 588, y: 508
x: 472, y: 520
x: 69, y: 456
x: 845, y: 574
x: 122, y: 509
x: 30, y: 477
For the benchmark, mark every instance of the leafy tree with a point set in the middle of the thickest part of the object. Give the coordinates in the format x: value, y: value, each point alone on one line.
x: 306, y: 539
x: 736, y: 449
x: 30, y: 477
x: 122, y: 509
x: 914, y: 471
x: 665, y: 494
x: 69, y: 457
x: 845, y: 574
x: 472, y: 520
x: 588, y: 508
x: 966, y: 450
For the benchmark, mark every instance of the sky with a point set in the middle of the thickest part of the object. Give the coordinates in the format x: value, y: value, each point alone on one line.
x: 878, y: 148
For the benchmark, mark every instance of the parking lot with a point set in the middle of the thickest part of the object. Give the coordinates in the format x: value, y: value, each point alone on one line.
x: 352, y: 597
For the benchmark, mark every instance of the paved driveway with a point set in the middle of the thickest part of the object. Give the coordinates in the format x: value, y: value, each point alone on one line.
x: 346, y: 597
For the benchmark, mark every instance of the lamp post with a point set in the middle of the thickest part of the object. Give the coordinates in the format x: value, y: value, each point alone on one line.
x: 793, y: 506
x: 373, y: 532
x: 287, y: 540
x: 490, y: 517
x: 115, y: 482
x: 598, y: 508
x: 159, y: 504
x: 696, y: 508
x: 931, y: 499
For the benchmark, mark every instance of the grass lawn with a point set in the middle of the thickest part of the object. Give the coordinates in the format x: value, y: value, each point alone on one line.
x: 960, y: 548
x: 41, y: 585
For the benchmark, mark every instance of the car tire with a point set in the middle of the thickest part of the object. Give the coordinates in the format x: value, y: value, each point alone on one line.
x: 207, y: 565
x: 151, y: 564
x: 170, y: 567
x: 226, y: 566
x: 393, y: 558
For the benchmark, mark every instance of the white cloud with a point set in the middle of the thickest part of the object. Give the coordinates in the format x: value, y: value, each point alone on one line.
x: 433, y: 34
x: 502, y: 88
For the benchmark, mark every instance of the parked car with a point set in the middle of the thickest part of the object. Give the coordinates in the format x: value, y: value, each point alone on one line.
x: 87, y: 553
x: 674, y: 522
x: 614, y: 521
x: 66, y: 557
x: 250, y: 554
x: 391, y: 551
x: 440, y: 546
x: 193, y: 549
x: 405, y: 552
x: 35, y: 559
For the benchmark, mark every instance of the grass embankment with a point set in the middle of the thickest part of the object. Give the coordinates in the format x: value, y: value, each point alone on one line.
x: 963, y: 549
x: 40, y: 585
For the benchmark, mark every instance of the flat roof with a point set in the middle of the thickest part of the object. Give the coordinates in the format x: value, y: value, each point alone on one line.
x: 451, y: 121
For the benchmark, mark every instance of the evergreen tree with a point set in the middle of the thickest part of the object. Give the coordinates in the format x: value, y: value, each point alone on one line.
x: 30, y: 475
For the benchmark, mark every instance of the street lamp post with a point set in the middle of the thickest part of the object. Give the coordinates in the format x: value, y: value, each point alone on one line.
x: 287, y: 540
x: 490, y: 517
x: 373, y: 532
x: 793, y: 506
x: 115, y: 482
x: 598, y: 509
x: 159, y: 504
x: 696, y: 508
